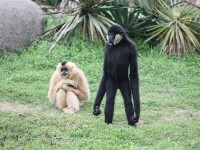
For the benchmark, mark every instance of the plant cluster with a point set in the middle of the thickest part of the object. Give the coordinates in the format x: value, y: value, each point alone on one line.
x: 174, y: 24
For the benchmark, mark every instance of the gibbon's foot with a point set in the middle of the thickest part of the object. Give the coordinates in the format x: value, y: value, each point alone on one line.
x: 108, y: 122
x: 69, y: 110
x: 132, y: 121
x: 96, y: 111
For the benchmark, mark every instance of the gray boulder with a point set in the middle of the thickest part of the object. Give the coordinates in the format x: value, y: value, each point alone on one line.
x: 20, y: 23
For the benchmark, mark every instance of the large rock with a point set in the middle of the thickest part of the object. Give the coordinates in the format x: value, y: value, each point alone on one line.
x: 20, y: 23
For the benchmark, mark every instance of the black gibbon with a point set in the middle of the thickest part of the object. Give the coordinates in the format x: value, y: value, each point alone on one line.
x: 120, y: 60
x: 68, y: 87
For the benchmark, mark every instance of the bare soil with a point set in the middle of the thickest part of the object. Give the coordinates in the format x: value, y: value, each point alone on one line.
x: 178, y: 114
x: 12, y: 107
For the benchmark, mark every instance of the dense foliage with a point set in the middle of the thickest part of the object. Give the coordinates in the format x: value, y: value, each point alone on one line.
x: 176, y: 27
x: 85, y: 18
x: 174, y: 24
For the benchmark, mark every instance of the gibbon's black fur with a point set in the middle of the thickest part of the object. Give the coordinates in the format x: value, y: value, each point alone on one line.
x: 120, y: 60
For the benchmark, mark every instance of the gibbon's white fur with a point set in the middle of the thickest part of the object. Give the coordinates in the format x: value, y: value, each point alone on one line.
x: 68, y: 87
x: 117, y: 39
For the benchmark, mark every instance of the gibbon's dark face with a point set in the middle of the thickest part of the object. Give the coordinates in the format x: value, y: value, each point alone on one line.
x: 111, y: 38
x: 64, y: 70
x: 115, y: 34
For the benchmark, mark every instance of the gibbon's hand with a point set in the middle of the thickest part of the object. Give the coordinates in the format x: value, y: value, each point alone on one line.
x: 133, y: 120
x: 96, y: 111
x: 67, y: 87
x: 69, y: 83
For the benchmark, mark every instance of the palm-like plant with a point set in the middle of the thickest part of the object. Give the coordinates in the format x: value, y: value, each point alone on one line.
x: 147, y: 6
x: 176, y: 27
x: 85, y: 15
x: 127, y: 16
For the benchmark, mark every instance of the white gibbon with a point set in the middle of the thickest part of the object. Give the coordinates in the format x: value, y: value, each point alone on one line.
x: 68, y: 87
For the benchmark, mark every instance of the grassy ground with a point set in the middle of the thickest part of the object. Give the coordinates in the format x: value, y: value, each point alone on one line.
x: 170, y: 91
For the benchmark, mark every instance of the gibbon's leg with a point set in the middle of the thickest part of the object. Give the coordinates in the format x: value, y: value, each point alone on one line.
x: 125, y: 89
x: 61, y: 99
x: 53, y: 90
x: 111, y: 89
x: 80, y: 94
x: 73, y: 104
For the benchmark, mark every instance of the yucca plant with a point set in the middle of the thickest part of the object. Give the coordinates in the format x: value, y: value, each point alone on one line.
x: 127, y: 16
x: 53, y: 2
x: 86, y: 17
x: 146, y: 5
x: 176, y: 28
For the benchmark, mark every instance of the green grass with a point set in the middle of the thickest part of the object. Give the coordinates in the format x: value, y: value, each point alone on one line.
x: 169, y: 89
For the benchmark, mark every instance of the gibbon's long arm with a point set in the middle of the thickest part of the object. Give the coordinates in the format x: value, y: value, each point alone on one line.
x: 82, y: 91
x: 101, y: 91
x: 80, y: 94
x: 56, y: 85
x: 53, y: 89
x: 134, y: 83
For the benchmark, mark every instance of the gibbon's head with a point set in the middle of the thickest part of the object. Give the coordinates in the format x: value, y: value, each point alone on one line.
x: 65, y: 69
x: 115, y: 34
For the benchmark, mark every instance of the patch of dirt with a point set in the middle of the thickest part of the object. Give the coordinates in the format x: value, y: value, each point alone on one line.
x: 141, y: 122
x: 12, y: 107
x: 20, y: 108
x: 179, y: 114
x: 16, y: 107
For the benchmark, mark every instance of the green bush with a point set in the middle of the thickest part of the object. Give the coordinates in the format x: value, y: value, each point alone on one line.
x: 53, y: 2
